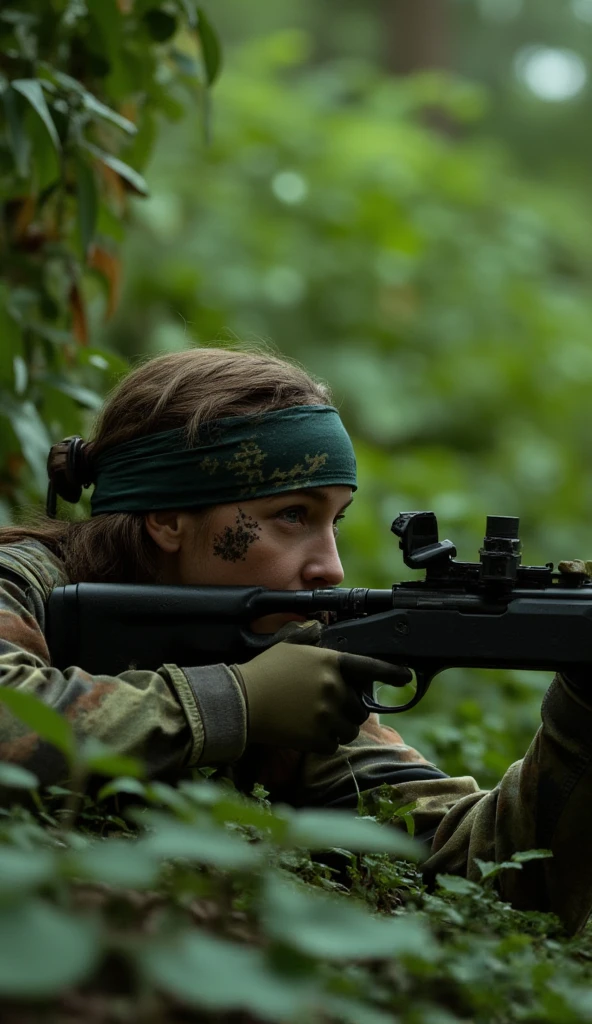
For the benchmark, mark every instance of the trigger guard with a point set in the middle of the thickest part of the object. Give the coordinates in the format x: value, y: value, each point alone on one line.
x: 423, y: 683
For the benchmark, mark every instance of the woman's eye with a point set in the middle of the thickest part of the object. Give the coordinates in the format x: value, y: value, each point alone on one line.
x: 336, y: 523
x: 291, y: 515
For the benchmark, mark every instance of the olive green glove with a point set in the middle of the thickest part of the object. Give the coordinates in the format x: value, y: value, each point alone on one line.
x: 309, y: 698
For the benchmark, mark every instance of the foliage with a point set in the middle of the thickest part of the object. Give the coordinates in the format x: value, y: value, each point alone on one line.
x: 194, y: 902
x: 84, y: 85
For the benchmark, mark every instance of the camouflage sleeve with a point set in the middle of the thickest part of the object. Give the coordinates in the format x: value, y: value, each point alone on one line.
x: 542, y: 802
x: 170, y: 718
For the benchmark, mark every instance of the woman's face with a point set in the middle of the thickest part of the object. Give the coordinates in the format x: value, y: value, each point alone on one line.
x: 284, y: 542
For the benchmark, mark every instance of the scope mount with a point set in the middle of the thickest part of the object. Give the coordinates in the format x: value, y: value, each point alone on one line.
x: 498, y: 570
x: 418, y: 540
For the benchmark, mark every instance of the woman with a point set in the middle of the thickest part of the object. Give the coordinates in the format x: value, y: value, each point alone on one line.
x: 224, y: 467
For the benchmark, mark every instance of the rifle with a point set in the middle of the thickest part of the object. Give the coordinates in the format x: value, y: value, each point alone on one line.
x: 494, y: 613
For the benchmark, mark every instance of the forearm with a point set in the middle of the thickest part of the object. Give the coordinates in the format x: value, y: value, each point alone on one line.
x: 165, y: 718
x: 542, y: 802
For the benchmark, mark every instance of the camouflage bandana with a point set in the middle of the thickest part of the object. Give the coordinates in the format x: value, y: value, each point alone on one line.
x: 236, y: 458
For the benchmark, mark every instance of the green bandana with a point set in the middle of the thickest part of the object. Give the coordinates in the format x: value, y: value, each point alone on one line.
x: 234, y: 459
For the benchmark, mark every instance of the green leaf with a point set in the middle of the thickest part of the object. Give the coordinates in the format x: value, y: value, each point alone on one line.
x: 121, y: 862
x: 350, y: 1011
x: 168, y: 796
x: 201, y: 843
x: 44, y: 950
x: 88, y: 204
x: 31, y: 89
x: 460, y: 886
x: 105, y: 113
x: 336, y: 928
x: 212, y: 973
x: 325, y: 829
x: 19, y: 142
x: 124, y: 171
x: 25, y: 870
x: 523, y: 856
x: 89, y: 399
x: 491, y: 868
x: 45, y: 721
x: 210, y: 46
x: 124, y: 785
x: 32, y: 435
x: 11, y: 347
x: 99, y: 758
x: 13, y: 776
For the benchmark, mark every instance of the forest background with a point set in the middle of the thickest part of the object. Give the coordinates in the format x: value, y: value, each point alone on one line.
x: 395, y: 194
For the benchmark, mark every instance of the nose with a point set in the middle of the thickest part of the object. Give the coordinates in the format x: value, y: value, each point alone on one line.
x: 323, y: 566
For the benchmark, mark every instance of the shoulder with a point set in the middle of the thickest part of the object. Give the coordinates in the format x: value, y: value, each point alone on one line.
x: 35, y: 563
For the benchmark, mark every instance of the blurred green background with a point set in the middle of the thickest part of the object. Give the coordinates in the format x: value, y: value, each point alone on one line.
x: 396, y: 194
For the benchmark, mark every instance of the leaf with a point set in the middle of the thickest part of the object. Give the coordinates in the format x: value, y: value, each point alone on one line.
x: 25, y: 870
x: 100, y: 759
x: 129, y: 175
x: 42, y: 719
x: 94, y: 106
x: 460, y: 886
x: 201, y: 843
x: 336, y: 928
x: 123, y: 785
x: 88, y: 204
x: 523, y: 856
x: 32, y: 435
x: 350, y: 1011
x: 205, y: 971
x: 11, y: 347
x: 13, y: 776
x: 210, y: 46
x: 44, y: 950
x: 491, y: 868
x: 31, y: 89
x: 120, y: 862
x: 325, y: 829
x: 21, y: 375
x: 19, y: 142
x: 89, y: 399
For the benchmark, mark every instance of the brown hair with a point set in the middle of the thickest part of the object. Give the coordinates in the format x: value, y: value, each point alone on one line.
x: 180, y: 389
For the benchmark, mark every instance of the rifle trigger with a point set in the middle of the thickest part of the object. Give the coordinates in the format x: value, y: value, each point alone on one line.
x: 423, y: 680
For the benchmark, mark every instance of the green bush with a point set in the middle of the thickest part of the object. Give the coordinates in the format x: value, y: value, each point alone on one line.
x: 84, y: 89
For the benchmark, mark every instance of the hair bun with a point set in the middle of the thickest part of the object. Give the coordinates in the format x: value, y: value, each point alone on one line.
x: 69, y: 468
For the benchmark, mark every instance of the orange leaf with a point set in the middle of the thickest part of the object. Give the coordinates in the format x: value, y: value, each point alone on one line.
x: 79, y: 321
x: 110, y: 268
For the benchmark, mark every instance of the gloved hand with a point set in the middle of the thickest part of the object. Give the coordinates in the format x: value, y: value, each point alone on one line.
x: 309, y: 698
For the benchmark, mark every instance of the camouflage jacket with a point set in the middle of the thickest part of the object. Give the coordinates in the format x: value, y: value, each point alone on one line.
x: 176, y: 718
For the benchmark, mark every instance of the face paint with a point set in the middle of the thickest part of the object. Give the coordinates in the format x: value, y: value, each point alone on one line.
x: 233, y: 543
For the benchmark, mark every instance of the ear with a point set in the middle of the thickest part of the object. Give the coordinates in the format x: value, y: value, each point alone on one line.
x: 166, y: 529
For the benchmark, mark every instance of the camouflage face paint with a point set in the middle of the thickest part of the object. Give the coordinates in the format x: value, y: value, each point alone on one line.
x: 233, y: 543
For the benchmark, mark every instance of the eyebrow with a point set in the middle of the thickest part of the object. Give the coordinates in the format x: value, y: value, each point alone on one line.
x: 316, y: 493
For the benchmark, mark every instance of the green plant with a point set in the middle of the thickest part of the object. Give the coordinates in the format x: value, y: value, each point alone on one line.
x: 84, y: 88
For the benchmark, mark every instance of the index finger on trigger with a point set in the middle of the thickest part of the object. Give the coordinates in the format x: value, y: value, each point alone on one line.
x: 356, y: 668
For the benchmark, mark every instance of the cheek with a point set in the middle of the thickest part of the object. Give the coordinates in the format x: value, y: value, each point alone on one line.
x: 233, y: 542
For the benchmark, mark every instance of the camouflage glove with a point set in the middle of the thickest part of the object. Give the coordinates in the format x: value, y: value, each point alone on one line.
x: 309, y: 698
